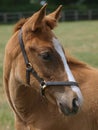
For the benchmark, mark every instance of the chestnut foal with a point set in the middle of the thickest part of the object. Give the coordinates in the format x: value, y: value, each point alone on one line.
x: 39, y: 81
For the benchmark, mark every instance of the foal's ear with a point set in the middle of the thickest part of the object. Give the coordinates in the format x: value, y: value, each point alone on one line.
x: 35, y: 20
x: 38, y: 17
x: 52, y: 19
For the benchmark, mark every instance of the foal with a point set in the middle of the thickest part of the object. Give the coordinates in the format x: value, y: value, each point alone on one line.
x: 39, y: 84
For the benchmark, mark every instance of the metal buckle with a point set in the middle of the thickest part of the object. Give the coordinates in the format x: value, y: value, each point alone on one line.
x: 43, y: 86
x: 29, y: 67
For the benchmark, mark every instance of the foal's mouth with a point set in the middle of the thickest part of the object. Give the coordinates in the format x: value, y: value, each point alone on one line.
x: 66, y: 110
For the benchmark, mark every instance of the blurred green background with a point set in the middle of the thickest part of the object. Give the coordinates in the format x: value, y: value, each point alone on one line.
x: 28, y: 5
x: 80, y: 38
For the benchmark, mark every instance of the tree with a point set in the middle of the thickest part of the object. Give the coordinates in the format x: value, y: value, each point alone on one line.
x: 63, y: 2
x: 90, y: 2
x: 13, y: 2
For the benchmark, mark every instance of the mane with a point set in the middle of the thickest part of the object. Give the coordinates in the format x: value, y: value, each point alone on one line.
x: 19, y: 24
x: 72, y: 61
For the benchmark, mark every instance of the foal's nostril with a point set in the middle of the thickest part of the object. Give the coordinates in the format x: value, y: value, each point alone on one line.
x: 75, y: 105
x: 68, y: 109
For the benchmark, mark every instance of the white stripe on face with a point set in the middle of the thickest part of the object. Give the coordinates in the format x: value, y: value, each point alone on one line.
x: 59, y: 50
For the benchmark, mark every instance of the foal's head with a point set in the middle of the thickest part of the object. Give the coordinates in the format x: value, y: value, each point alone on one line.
x: 48, y: 60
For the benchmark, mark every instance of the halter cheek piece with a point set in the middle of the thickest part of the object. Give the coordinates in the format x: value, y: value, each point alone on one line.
x: 30, y: 70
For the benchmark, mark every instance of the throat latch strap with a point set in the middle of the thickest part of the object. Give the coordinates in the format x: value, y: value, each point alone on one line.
x: 30, y: 69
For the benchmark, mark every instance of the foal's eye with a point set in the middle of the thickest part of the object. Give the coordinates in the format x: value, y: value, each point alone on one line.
x: 46, y: 56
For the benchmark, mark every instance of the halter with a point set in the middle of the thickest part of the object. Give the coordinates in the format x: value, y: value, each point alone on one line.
x: 30, y: 70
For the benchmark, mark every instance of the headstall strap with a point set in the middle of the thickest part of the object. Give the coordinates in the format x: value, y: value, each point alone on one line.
x: 23, y: 48
x: 30, y: 69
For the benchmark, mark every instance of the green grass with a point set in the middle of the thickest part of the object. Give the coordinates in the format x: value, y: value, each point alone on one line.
x: 80, y: 38
x: 6, y: 115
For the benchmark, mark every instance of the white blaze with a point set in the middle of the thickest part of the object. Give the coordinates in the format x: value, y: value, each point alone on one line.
x: 59, y: 50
